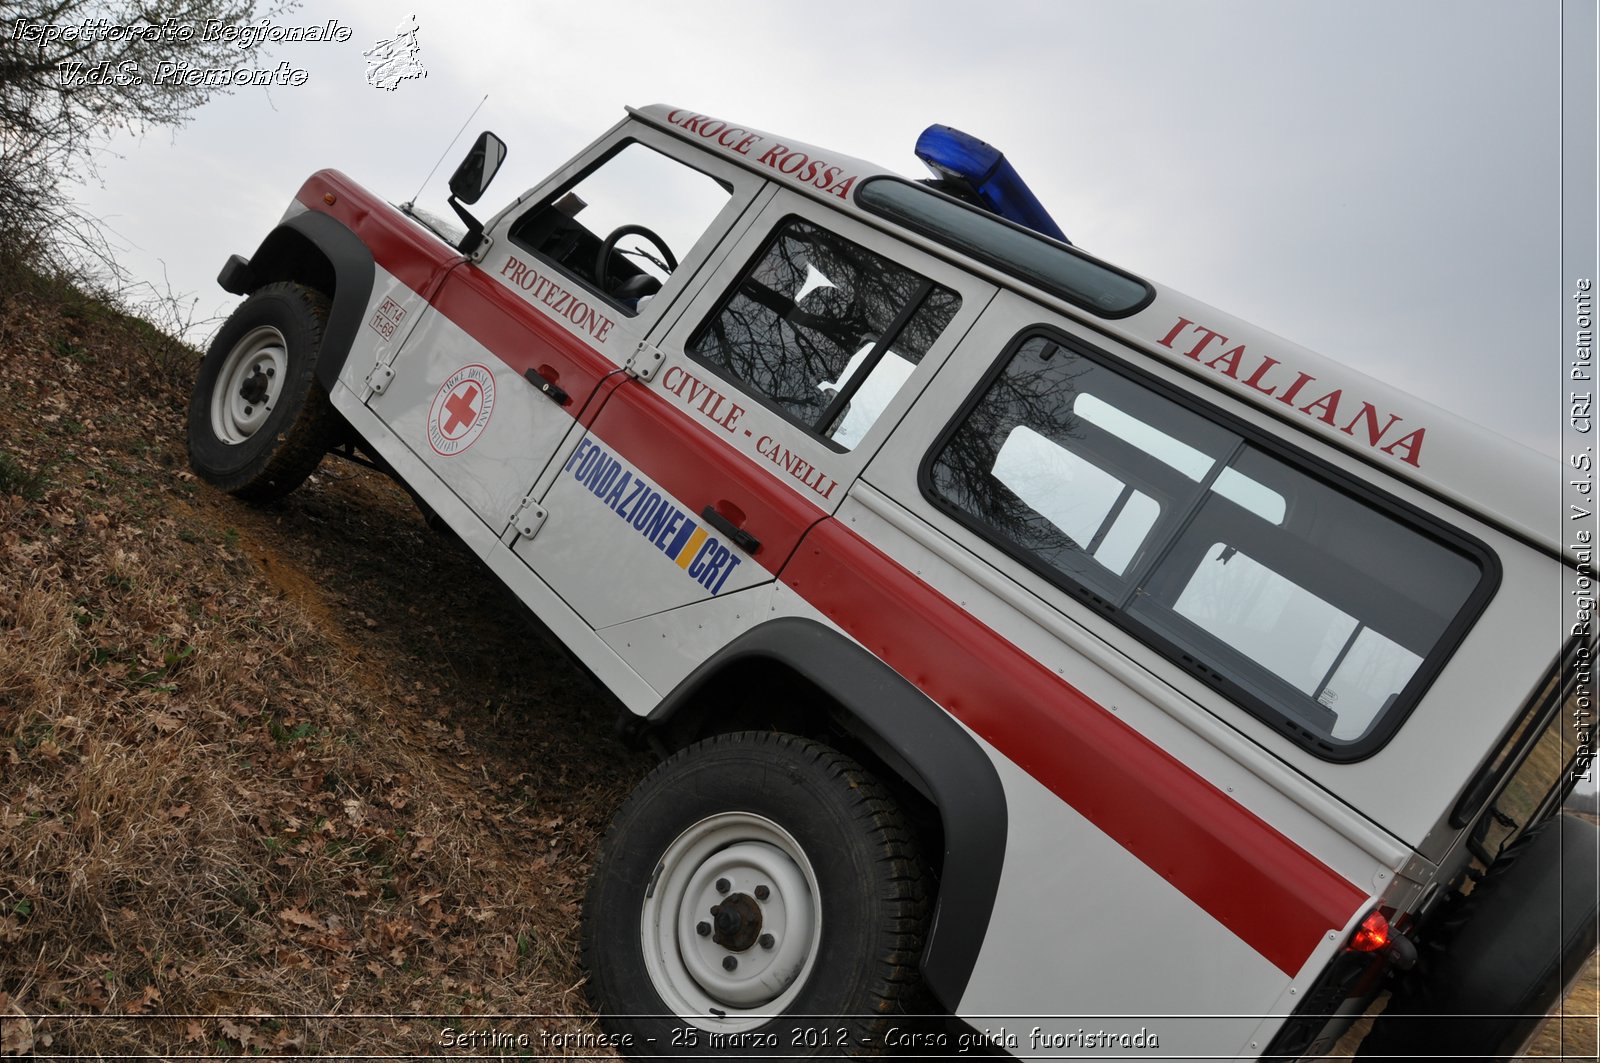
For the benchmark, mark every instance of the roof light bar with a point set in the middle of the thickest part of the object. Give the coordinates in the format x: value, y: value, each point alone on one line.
x: 982, y: 171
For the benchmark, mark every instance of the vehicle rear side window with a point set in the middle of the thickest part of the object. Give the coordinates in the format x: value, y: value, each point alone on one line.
x: 824, y: 330
x: 1316, y: 609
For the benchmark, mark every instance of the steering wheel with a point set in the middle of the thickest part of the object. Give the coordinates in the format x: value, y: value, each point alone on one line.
x: 602, y: 262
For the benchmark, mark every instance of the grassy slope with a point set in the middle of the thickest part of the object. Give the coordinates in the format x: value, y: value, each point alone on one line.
x: 304, y: 758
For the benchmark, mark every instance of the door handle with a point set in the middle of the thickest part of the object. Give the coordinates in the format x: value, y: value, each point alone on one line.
x: 548, y: 386
x: 735, y: 534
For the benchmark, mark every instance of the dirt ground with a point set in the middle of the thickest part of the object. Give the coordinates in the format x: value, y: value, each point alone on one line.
x: 291, y: 779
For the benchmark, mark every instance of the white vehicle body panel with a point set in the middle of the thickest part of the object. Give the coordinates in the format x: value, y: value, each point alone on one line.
x: 1100, y: 921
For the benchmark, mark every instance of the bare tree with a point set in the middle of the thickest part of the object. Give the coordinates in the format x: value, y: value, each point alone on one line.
x: 74, y: 73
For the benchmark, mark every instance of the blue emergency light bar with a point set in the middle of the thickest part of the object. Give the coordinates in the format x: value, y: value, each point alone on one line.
x: 981, y: 171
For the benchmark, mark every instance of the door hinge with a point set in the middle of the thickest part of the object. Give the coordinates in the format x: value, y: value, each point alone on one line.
x: 529, y: 518
x: 643, y: 362
x: 379, y: 378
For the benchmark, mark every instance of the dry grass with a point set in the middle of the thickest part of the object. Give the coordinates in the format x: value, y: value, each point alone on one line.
x: 249, y: 772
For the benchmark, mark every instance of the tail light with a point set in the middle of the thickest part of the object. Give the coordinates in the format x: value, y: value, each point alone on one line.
x: 1372, y: 934
x: 1375, y: 936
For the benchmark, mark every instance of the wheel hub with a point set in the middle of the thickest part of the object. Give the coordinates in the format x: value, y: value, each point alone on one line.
x: 737, y: 921
x: 732, y: 924
x: 254, y: 389
x: 249, y: 384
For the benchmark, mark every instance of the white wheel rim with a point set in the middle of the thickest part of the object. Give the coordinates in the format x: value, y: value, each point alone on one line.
x: 748, y: 857
x: 249, y: 385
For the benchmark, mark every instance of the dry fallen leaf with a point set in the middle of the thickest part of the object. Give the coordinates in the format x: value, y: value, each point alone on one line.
x: 238, y: 1031
x: 298, y: 918
x: 16, y: 1030
x: 150, y: 997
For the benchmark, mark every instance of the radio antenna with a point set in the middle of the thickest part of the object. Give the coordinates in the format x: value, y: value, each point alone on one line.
x: 446, y: 150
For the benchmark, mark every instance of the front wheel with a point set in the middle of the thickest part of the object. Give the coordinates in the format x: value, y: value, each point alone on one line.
x: 759, y: 894
x: 258, y: 420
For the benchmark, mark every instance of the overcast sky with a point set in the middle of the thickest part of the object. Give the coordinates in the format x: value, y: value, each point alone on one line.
x: 1374, y: 180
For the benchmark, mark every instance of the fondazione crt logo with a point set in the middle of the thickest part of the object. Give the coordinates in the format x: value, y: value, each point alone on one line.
x: 209, y: 53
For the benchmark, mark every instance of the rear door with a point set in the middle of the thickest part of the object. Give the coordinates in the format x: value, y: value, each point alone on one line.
x: 763, y: 401
x: 511, y: 348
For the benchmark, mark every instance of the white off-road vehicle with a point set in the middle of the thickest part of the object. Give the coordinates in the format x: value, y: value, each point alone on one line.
x: 1025, y: 641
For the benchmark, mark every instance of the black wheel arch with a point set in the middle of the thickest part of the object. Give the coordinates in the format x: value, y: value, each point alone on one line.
x: 905, y: 731
x: 320, y: 252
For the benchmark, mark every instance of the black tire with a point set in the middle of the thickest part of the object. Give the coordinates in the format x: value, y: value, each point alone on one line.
x: 698, y: 827
x: 1503, y: 957
x: 249, y: 433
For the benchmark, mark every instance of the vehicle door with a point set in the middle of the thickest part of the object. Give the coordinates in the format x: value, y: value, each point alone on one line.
x: 514, y: 343
x: 761, y: 403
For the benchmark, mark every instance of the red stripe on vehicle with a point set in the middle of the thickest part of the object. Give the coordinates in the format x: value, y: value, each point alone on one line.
x: 1264, y: 888
x: 521, y: 336
x: 1252, y: 879
x: 416, y: 258
x: 638, y: 423
x: 488, y: 311
x: 654, y: 436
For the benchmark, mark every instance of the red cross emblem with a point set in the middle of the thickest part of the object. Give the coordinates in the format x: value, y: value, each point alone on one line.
x: 461, y: 410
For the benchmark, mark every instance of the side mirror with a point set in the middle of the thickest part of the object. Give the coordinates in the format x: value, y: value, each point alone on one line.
x: 472, y: 177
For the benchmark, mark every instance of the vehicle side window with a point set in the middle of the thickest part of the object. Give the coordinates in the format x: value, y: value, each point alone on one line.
x: 623, y: 227
x: 824, y: 330
x: 1317, y: 607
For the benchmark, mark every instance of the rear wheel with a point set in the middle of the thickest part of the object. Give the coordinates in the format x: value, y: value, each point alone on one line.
x: 1504, y: 958
x: 258, y: 420
x: 759, y: 894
